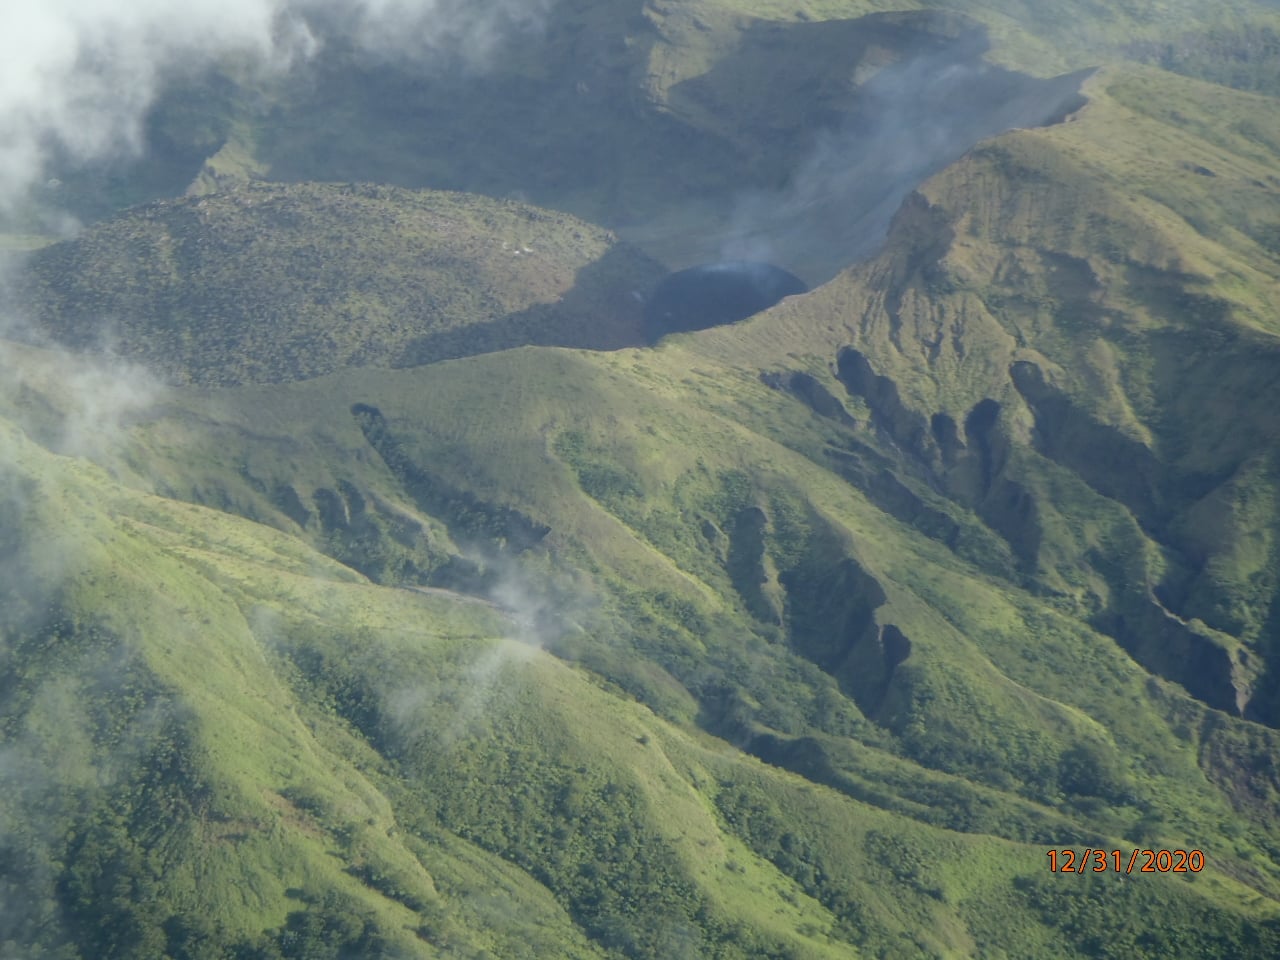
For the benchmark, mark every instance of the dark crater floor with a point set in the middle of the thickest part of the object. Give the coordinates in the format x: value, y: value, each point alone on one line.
x: 716, y: 293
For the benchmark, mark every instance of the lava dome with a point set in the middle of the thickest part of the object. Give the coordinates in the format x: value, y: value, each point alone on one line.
x: 716, y: 293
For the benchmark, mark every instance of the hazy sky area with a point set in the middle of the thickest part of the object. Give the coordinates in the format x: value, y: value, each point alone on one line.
x: 79, y: 75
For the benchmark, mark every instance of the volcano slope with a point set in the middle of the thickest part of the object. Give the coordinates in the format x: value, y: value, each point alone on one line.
x: 806, y: 636
x: 814, y: 632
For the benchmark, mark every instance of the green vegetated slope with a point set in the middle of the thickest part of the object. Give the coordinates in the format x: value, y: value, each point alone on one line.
x: 802, y: 637
x: 1099, y: 316
x: 378, y: 770
x: 246, y: 734
x: 1039, y: 37
x: 918, y: 549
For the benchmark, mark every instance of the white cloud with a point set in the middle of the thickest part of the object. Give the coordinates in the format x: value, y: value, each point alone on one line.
x: 473, y: 30
x: 79, y: 75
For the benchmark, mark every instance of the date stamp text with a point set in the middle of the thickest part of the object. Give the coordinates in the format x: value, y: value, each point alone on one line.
x: 1118, y: 861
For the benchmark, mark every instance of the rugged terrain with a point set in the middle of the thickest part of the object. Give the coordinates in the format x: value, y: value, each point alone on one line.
x: 372, y: 588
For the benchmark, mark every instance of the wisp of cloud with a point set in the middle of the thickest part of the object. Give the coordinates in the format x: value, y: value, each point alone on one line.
x: 78, y: 76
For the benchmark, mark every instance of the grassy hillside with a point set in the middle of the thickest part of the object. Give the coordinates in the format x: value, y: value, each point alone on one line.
x: 378, y: 767
x: 1101, y: 307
